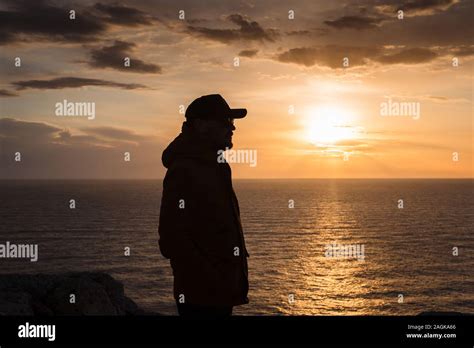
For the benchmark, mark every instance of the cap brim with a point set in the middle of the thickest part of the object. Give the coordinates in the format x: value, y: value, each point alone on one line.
x: 238, y: 113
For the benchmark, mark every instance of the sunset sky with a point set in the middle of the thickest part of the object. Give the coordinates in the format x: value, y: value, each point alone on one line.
x: 284, y: 64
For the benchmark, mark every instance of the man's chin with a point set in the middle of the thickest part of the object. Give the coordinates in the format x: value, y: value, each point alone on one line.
x: 226, y: 144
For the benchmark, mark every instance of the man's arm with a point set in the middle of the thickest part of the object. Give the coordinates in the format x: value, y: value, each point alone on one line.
x: 191, y: 219
x: 175, y: 214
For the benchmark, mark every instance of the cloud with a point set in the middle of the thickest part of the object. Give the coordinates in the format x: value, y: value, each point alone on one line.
x: 433, y: 23
x: 394, y: 144
x: 40, y: 20
x: 66, y: 138
x: 248, y: 53
x: 72, y: 82
x: 49, y: 151
x: 12, y: 128
x: 408, y: 56
x: 113, y: 57
x: 417, y: 7
x: 123, y: 15
x: 443, y: 99
x: 351, y: 143
x: 329, y: 56
x: 5, y: 93
x: 298, y: 32
x: 355, y: 22
x: 463, y: 51
x: 332, y: 56
x: 438, y: 98
x: 31, y: 134
x: 339, y: 149
x: 114, y: 133
x: 248, y: 31
x: 197, y: 20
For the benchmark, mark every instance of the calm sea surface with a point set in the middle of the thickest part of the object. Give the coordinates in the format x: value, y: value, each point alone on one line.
x: 408, y: 251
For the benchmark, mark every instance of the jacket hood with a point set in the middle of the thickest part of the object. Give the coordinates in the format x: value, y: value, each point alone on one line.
x: 188, y: 146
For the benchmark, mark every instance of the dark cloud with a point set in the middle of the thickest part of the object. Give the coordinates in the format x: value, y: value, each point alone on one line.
x: 248, y: 53
x: 419, y: 28
x: 123, y: 15
x: 72, y: 82
x: 248, y: 31
x: 301, y: 55
x: 355, y: 22
x: 113, y: 57
x: 329, y: 56
x: 298, y: 33
x: 6, y: 93
x: 47, y: 133
x: 12, y: 128
x: 417, y: 7
x: 221, y: 35
x: 408, y: 56
x: 65, y: 137
x: 40, y: 20
x: 114, y: 133
x: 50, y: 151
x: 463, y: 51
x: 427, y: 4
x: 332, y: 56
x: 197, y: 20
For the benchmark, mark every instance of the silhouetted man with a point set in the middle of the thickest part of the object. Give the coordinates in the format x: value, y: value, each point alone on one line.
x: 200, y: 229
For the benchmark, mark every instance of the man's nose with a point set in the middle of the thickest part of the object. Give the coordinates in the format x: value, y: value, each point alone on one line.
x: 232, y: 126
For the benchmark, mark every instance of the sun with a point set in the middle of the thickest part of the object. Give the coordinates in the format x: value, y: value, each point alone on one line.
x: 325, y: 125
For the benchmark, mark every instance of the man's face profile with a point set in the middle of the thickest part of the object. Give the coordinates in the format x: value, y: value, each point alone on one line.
x: 218, y: 131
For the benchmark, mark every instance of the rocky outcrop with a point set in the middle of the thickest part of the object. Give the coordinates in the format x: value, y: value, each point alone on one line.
x: 442, y: 313
x: 50, y: 294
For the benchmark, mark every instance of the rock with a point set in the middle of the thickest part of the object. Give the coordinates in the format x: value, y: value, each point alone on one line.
x: 49, y: 294
x: 90, y: 298
x: 39, y: 308
x: 15, y: 303
x: 442, y: 313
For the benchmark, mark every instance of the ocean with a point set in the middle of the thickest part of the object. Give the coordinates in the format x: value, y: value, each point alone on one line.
x: 416, y: 258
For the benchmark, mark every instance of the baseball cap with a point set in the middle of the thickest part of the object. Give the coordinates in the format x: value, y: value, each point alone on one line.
x: 212, y: 106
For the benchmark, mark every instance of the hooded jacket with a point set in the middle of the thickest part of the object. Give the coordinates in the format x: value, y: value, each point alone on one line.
x: 200, y: 229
